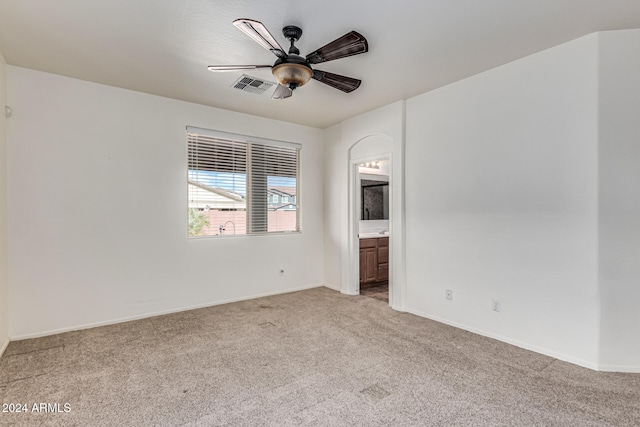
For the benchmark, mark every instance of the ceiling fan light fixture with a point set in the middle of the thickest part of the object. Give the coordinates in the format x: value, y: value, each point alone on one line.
x: 291, y: 74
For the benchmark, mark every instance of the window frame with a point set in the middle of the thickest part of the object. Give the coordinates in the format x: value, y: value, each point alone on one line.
x: 251, y: 141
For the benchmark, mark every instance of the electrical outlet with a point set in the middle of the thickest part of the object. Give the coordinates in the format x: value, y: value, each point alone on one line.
x: 495, y: 305
x: 449, y: 294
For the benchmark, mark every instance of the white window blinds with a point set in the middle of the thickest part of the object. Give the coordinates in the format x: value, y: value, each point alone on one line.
x: 233, y: 181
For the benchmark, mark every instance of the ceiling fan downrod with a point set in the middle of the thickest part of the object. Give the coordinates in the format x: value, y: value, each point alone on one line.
x: 293, y: 34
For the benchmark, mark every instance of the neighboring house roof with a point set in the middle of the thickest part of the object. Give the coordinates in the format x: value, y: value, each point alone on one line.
x: 221, y: 191
x: 202, y: 197
x: 282, y: 191
x: 286, y: 206
x: 289, y: 192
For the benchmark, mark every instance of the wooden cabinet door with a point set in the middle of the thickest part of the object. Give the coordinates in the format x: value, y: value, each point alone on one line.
x: 374, y: 260
x: 383, y: 254
x: 383, y: 272
x: 383, y: 259
x: 371, y: 265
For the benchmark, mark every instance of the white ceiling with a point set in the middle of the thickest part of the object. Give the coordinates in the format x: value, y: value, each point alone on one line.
x: 163, y: 47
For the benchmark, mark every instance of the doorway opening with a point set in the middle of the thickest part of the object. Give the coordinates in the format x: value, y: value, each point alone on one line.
x: 373, y: 200
x: 376, y: 148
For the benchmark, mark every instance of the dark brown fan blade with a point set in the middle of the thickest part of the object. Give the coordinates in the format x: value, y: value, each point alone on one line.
x: 345, y: 84
x: 261, y: 35
x: 350, y: 44
x: 219, y: 68
x: 282, y: 92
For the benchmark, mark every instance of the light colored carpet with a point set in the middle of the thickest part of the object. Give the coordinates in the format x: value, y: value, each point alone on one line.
x: 316, y: 358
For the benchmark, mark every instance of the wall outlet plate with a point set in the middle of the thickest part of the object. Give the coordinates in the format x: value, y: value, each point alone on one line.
x: 495, y: 305
x: 448, y: 294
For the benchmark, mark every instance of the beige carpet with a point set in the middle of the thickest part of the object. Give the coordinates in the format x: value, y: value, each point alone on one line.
x: 315, y: 358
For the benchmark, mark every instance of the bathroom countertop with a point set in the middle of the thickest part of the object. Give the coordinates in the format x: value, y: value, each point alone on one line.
x: 373, y: 235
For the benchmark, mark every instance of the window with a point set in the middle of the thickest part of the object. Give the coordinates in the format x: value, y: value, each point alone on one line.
x: 230, y: 178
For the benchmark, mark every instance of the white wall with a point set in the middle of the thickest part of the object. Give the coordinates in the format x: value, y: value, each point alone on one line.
x: 619, y: 221
x: 335, y: 205
x: 4, y: 286
x: 377, y: 127
x: 97, y: 209
x: 502, y: 202
x: 520, y: 186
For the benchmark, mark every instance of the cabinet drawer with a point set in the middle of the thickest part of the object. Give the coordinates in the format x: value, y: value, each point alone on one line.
x: 383, y: 241
x: 368, y: 243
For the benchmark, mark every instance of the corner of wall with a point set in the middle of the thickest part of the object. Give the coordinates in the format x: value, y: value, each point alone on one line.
x: 618, y: 200
x: 4, y: 285
x: 331, y: 140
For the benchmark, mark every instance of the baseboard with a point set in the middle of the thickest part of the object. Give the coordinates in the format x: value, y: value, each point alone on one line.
x: 332, y: 287
x: 619, y: 368
x: 4, y: 347
x: 526, y: 346
x: 400, y: 309
x: 157, y: 313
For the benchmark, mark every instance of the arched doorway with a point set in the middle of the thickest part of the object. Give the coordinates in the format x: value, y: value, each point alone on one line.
x: 371, y: 159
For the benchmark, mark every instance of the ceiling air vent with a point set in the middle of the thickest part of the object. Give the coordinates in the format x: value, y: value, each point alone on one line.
x: 252, y: 84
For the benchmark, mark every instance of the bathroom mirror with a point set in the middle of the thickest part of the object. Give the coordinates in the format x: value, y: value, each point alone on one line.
x: 374, y: 199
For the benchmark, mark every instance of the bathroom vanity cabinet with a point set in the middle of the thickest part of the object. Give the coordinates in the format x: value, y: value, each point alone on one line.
x: 374, y: 260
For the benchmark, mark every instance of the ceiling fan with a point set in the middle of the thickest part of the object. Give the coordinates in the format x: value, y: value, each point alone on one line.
x: 290, y: 69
